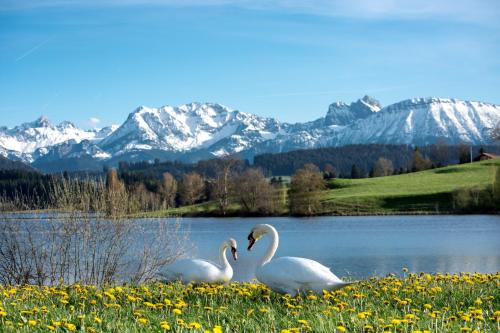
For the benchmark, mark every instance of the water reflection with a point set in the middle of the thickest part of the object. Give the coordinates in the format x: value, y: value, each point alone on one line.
x: 363, y: 246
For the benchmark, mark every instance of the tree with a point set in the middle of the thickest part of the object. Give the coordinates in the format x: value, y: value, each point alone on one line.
x: 221, y: 186
x: 168, y: 190
x: 383, y: 167
x: 420, y: 163
x: 191, y: 188
x: 253, y: 191
x: 355, y: 172
x: 440, y: 151
x: 305, y: 189
x: 116, y: 202
x: 329, y: 171
x: 464, y: 155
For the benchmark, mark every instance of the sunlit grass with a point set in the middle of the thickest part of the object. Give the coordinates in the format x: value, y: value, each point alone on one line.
x: 414, y: 303
x: 426, y: 191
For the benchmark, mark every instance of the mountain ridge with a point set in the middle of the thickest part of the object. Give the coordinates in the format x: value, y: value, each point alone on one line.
x: 197, y: 130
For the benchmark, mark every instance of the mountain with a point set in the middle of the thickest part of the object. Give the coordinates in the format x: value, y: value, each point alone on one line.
x: 6, y: 164
x: 197, y: 131
x: 30, y: 141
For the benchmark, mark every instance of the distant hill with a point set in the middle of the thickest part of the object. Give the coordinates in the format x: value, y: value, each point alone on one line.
x: 363, y: 156
x: 6, y: 164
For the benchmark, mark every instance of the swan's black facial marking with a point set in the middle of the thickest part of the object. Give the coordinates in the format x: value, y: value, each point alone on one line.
x: 234, y: 252
x: 251, y: 241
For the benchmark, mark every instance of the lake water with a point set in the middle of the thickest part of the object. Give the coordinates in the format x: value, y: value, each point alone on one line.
x: 361, y: 246
x: 351, y: 246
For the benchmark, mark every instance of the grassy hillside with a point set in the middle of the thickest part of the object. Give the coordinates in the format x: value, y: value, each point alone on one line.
x: 425, y: 191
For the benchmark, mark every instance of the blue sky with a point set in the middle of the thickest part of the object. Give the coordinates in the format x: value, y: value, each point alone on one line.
x: 76, y: 60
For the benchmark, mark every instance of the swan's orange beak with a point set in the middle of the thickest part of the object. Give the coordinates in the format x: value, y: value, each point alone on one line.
x: 234, y: 253
x: 251, y: 241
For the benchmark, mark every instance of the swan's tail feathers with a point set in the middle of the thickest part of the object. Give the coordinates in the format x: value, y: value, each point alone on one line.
x: 339, y: 285
x: 167, y: 277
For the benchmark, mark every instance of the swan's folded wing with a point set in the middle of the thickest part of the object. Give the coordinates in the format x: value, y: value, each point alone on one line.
x: 191, y: 270
x: 299, y: 270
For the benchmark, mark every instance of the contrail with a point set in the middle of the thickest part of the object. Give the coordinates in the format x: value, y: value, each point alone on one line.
x: 33, y: 49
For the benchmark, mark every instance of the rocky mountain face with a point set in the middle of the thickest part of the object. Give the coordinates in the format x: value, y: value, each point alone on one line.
x: 202, y: 130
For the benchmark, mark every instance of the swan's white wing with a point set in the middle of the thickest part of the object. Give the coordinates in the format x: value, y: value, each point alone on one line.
x: 289, y: 274
x: 193, y: 270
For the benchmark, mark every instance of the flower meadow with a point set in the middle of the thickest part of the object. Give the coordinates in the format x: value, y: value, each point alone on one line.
x: 418, y: 303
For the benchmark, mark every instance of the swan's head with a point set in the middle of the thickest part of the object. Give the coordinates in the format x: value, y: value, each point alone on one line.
x: 232, y: 244
x: 257, y: 232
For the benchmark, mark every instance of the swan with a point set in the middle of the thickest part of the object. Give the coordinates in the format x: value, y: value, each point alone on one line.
x: 291, y: 275
x: 199, y: 270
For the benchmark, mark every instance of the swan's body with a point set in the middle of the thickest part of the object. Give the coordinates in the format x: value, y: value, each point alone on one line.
x: 199, y: 270
x: 291, y: 275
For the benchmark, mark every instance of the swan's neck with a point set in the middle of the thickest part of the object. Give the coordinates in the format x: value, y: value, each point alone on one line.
x: 273, y: 246
x: 223, y: 259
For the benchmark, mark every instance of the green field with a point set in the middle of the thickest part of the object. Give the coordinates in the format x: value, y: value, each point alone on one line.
x: 427, y: 191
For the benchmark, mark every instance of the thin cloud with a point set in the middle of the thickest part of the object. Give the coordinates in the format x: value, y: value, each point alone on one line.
x: 93, y: 121
x: 33, y: 49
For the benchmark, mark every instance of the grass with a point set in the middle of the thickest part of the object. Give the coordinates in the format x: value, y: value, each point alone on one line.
x: 413, y: 303
x: 426, y: 191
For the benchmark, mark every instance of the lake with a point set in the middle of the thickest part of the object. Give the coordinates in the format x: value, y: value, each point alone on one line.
x: 361, y: 246
x: 358, y: 247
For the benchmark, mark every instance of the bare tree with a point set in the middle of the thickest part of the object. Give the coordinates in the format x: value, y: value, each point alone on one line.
x: 383, y: 167
x: 305, y: 189
x: 253, y: 191
x: 330, y: 171
x: 168, y: 190
x: 221, y: 185
x: 464, y: 153
x: 441, y: 151
x: 117, y: 198
x: 81, y: 244
x: 191, y: 188
x: 419, y: 162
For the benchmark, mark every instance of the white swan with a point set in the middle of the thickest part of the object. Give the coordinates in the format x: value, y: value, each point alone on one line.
x: 291, y: 275
x: 199, y: 270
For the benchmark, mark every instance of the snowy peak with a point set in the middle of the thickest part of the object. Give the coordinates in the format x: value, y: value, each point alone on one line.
x: 420, y: 121
x: 340, y: 113
x: 187, y: 127
x: 30, y: 140
x: 203, y: 130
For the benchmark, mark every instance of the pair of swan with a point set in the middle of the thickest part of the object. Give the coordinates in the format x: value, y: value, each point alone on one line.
x: 285, y: 275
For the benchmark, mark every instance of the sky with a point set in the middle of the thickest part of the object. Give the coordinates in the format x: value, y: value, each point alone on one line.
x: 93, y: 62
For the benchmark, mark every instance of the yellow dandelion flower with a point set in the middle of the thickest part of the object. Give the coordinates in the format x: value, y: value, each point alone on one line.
x: 177, y: 311
x: 194, y: 325
x: 165, y: 326
x: 341, y: 329
x: 217, y: 329
x: 32, y: 322
x: 70, y: 326
x: 142, y: 321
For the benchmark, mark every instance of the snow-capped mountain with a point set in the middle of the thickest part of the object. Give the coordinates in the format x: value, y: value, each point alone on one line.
x: 422, y: 121
x: 32, y: 140
x: 202, y: 130
x: 189, y: 127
